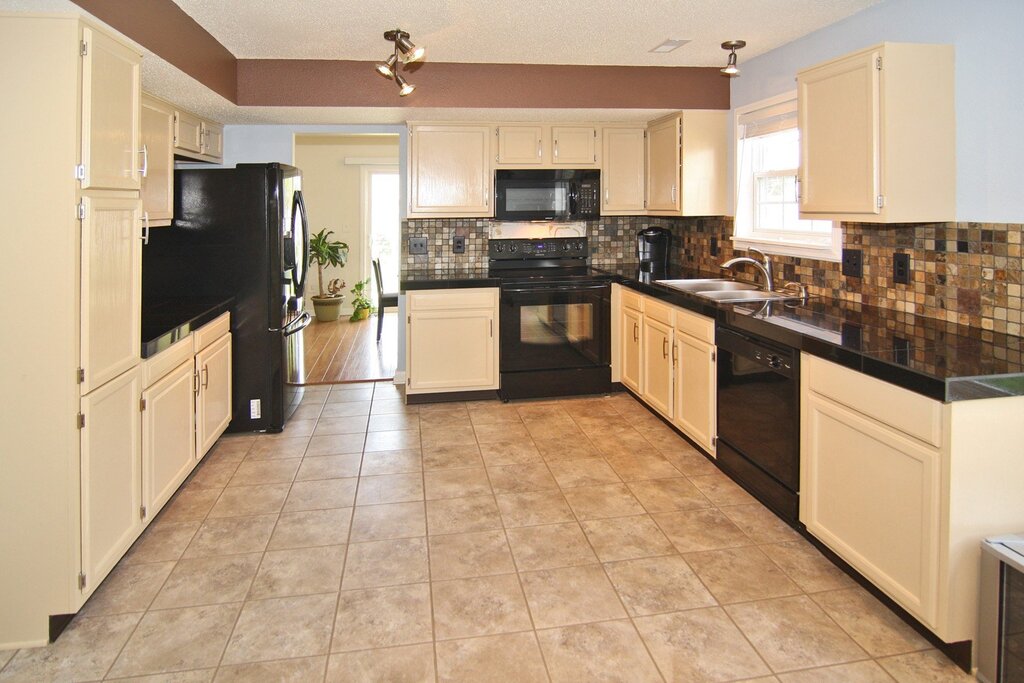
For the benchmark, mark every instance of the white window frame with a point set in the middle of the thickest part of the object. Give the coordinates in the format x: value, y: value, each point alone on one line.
x: 781, y: 243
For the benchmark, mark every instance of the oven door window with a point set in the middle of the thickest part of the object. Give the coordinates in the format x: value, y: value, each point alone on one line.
x: 553, y: 330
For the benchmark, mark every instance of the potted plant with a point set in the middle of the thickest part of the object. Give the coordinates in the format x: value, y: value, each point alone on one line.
x: 361, y: 306
x: 324, y: 251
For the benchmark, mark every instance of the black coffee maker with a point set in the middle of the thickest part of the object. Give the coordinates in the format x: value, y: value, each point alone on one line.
x: 653, y: 246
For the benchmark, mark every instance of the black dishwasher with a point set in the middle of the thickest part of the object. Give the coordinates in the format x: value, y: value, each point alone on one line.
x: 759, y: 418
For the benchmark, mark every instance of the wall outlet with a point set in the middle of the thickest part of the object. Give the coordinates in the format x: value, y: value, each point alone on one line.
x: 255, y: 409
x: 853, y: 264
x: 417, y: 245
x: 901, y: 268
x: 459, y: 244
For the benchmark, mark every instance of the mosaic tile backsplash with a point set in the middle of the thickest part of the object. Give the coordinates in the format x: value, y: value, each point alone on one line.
x: 967, y: 273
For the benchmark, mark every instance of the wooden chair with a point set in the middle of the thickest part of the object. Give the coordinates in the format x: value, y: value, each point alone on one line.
x: 389, y: 299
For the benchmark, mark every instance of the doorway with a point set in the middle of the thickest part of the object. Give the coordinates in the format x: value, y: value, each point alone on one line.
x: 382, y: 224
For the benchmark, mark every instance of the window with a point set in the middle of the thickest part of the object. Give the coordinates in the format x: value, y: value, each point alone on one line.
x: 767, y: 209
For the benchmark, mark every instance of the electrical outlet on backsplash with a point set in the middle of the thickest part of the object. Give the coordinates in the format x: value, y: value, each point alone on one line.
x: 966, y: 273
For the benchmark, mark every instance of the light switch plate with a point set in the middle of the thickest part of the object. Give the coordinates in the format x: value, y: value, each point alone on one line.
x: 417, y: 245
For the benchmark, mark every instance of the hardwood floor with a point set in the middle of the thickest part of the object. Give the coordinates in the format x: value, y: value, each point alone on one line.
x: 344, y: 351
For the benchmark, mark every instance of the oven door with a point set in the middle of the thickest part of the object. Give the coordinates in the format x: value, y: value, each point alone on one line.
x: 555, y: 326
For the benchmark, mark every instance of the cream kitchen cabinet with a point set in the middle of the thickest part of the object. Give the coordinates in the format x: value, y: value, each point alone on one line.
x: 687, y: 161
x: 449, y: 171
x: 213, y: 141
x: 158, y: 161
x: 696, y: 378
x: 656, y: 357
x: 630, y: 334
x: 213, y: 383
x: 196, y: 138
x: 546, y: 146
x: 520, y: 145
x: 622, y: 171
x: 904, y: 487
x: 878, y: 136
x: 574, y: 146
x: 451, y: 340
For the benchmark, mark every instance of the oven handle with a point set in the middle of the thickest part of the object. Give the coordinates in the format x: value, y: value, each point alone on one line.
x: 548, y: 288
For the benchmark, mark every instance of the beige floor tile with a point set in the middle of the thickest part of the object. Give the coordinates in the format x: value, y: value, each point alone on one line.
x: 436, y: 433
x: 507, y: 657
x: 390, y: 488
x: 479, y: 606
x: 301, y: 571
x: 760, y: 523
x: 208, y: 581
x: 875, y: 627
x: 450, y: 409
x: 496, y: 433
x: 274, y: 449
x: 623, y: 444
x: 193, y: 676
x: 346, y: 409
x: 462, y: 556
x: 570, y: 595
x: 542, y: 410
x: 391, y: 520
x: 808, y: 568
x: 857, y: 672
x: 499, y: 453
x: 382, y: 617
x: 695, y: 530
x: 459, y: 483
x: 296, y: 428
x: 346, y: 393
x: 392, y: 441
x: 321, y: 494
x: 668, y: 495
x: 231, y: 536
x: 386, y: 563
x: 550, y: 546
x: 558, y: 448
x: 583, y: 472
x: 552, y: 428
x: 692, y: 464
x: 457, y: 515
x: 654, y: 585
x: 281, y: 628
x: 244, y: 501
x: 721, y: 490
x: 354, y: 424
x: 161, y: 542
x: 626, y: 538
x: 335, y: 444
x: 794, y: 633
x: 311, y: 528
x: 393, y: 421
x: 633, y: 467
x: 498, y: 413
x: 519, y: 478
x: 590, y: 406
x: 307, y: 412
x: 389, y: 406
x: 230, y: 447
x: 284, y: 671
x: 128, y: 588
x: 598, y: 502
x: 190, y: 504
x: 176, y: 640
x: 84, y: 651
x: 741, y: 574
x: 409, y: 664
x: 924, y: 667
x: 598, y: 425
x: 535, y: 507
x: 611, y: 651
x: 448, y: 456
x: 213, y: 474
x: 329, y: 467
x: 699, y: 645
x: 387, y: 389
x: 392, y: 462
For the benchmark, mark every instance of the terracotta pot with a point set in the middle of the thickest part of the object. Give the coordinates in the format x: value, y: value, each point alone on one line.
x: 327, y: 308
x: 361, y: 314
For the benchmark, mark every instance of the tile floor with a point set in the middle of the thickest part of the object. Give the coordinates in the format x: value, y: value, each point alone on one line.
x: 570, y: 540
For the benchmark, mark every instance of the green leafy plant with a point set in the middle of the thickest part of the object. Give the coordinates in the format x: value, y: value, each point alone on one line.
x: 324, y: 251
x: 360, y: 302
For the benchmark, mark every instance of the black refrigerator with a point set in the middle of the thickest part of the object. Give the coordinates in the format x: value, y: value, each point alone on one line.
x: 242, y: 233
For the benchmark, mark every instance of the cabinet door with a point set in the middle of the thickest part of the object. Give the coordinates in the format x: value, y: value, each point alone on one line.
x: 111, y: 289
x: 450, y: 171
x: 452, y: 350
x: 213, y: 403
x: 188, y: 132
x: 520, y: 145
x: 663, y: 165
x: 695, y: 389
x: 212, y: 135
x: 111, y: 90
x: 871, y: 494
x: 158, y: 161
x: 111, y: 482
x: 574, y: 146
x: 622, y: 171
x: 631, y: 335
x: 168, y: 443
x: 656, y: 365
x: 838, y: 109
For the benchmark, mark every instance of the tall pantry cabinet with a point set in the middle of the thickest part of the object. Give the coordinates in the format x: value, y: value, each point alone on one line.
x: 70, y: 485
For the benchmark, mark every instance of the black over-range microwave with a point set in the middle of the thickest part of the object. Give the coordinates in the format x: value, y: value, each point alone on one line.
x: 547, y: 194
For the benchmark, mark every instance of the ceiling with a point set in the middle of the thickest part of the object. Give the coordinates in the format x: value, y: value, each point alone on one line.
x: 603, y: 32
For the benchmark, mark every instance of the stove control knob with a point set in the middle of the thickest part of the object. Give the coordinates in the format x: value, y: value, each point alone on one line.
x: 513, y: 248
x: 774, y: 362
x: 499, y: 247
x: 579, y: 246
x: 565, y: 246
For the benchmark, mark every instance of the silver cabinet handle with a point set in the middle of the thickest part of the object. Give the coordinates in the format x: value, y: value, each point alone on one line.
x: 538, y: 149
x: 195, y: 383
x: 636, y: 332
x: 664, y: 347
x: 605, y: 194
x: 145, y: 227
x: 556, y: 148
x: 145, y: 161
x: 675, y: 355
x: 673, y: 194
x: 206, y: 377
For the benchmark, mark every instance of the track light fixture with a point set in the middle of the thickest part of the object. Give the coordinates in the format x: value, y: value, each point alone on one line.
x: 731, y: 69
x: 408, y: 53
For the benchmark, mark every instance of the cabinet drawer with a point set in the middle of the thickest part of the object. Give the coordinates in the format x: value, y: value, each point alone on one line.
x: 656, y: 310
x: 910, y: 413
x: 631, y: 299
x: 440, y: 299
x: 211, y: 332
x: 158, y: 366
x: 695, y: 325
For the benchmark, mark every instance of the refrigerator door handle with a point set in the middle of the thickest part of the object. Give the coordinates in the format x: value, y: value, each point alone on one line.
x: 302, y: 260
x: 296, y: 325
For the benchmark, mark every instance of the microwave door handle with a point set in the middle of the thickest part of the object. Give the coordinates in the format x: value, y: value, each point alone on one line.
x: 574, y: 197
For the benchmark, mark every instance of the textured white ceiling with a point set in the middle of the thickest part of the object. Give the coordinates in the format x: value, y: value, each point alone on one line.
x: 618, y: 32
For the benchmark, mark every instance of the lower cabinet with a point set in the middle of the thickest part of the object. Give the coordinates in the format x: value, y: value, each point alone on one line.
x: 168, y: 425
x: 631, y: 348
x: 451, y: 340
x: 213, y: 397
x: 657, y: 357
x: 696, y: 384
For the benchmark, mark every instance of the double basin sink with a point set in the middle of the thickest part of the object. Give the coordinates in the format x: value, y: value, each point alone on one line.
x: 721, y: 289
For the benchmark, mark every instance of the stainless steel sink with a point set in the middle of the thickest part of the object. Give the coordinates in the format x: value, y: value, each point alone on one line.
x: 753, y: 295
x: 707, y: 285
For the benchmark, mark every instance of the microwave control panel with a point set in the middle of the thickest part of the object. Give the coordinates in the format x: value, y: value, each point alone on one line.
x: 546, y: 248
x: 590, y: 196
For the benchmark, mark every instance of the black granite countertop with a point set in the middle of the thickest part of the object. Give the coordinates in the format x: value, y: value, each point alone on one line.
x: 452, y: 278
x: 167, y: 320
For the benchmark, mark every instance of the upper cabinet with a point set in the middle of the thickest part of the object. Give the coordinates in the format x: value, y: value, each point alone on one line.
x: 878, y: 136
x: 622, y: 171
x: 545, y: 146
x: 687, y: 158
x: 449, y: 171
x: 520, y: 145
x: 196, y: 138
x: 157, y: 160
x: 574, y: 146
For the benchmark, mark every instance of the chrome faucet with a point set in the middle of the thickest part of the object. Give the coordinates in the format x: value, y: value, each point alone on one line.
x: 764, y: 266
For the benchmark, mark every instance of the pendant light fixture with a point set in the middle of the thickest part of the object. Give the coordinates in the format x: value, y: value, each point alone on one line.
x: 408, y: 53
x: 731, y: 69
